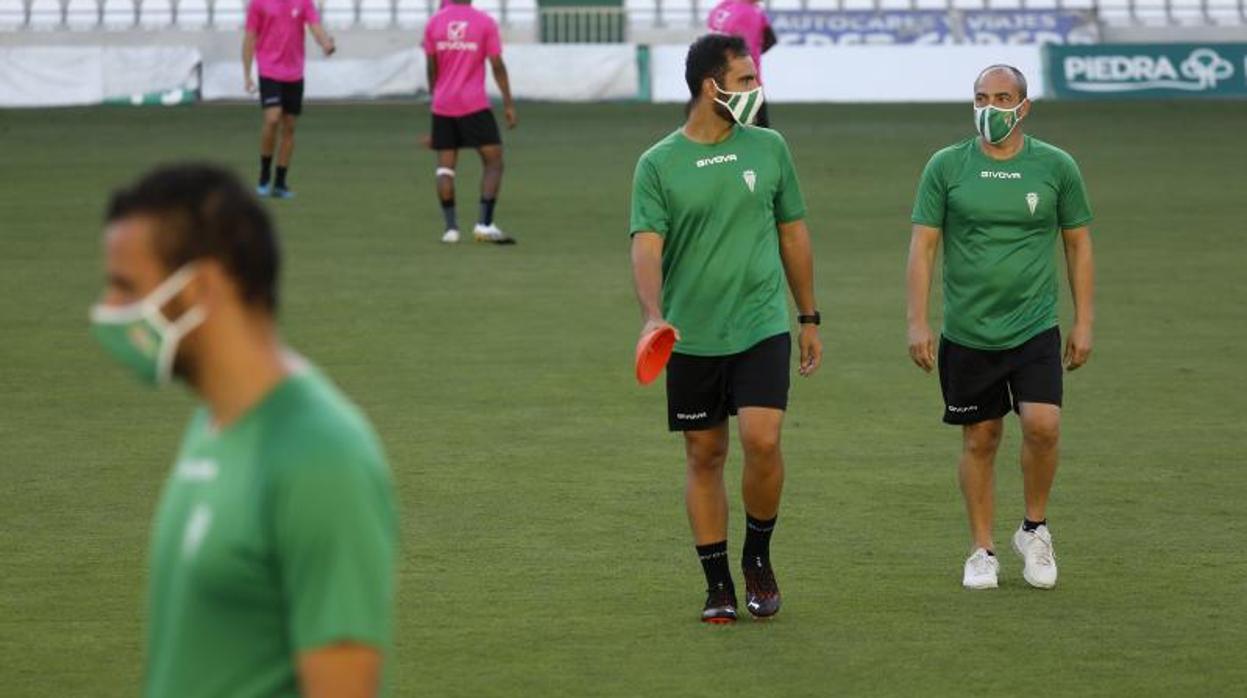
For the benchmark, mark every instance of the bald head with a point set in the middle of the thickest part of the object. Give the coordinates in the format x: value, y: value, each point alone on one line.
x: 996, y: 78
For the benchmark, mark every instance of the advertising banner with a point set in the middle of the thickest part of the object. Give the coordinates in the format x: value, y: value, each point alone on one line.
x: 1148, y: 71
x: 885, y: 27
x: 864, y: 74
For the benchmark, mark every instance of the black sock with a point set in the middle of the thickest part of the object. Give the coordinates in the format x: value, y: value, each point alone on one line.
x: 281, y: 177
x: 757, y: 552
x: 266, y: 169
x: 1030, y: 526
x: 448, y: 213
x: 714, y: 563
x: 990, y: 553
x: 487, y: 211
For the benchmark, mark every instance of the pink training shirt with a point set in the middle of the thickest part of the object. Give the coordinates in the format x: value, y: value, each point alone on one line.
x: 744, y: 19
x: 461, y: 38
x: 278, y: 26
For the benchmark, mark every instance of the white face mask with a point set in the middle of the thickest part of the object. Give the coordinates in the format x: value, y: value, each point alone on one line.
x: 139, y: 336
x: 995, y: 124
x: 743, y: 106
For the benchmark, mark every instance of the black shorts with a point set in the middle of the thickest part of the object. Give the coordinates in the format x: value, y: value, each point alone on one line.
x: 703, y: 390
x: 470, y: 131
x: 287, y: 95
x: 979, y: 384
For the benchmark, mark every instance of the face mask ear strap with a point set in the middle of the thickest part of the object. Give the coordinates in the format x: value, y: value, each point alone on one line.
x: 165, y: 292
x: 174, y: 332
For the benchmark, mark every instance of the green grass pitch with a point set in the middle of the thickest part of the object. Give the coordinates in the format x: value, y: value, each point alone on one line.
x: 546, y: 551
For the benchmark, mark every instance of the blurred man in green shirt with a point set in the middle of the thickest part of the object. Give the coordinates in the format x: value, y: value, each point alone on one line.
x: 274, y: 543
x: 999, y: 201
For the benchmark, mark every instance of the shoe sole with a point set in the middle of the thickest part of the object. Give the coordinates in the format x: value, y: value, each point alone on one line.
x: 970, y: 587
x: 719, y: 621
x: 1033, y: 583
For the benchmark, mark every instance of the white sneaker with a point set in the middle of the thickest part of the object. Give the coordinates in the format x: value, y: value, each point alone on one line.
x: 451, y: 235
x: 492, y: 233
x: 981, y: 569
x: 1035, y: 547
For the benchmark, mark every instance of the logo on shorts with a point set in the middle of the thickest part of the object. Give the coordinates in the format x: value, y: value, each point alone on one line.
x: 962, y: 410
x: 751, y: 179
x: 1032, y: 201
x: 688, y: 417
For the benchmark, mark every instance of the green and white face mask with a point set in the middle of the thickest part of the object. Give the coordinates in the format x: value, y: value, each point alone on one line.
x: 995, y: 124
x: 743, y: 106
x: 139, y: 336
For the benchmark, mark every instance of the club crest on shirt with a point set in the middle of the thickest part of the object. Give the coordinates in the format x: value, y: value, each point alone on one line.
x: 455, y: 31
x: 751, y: 179
x: 1032, y: 202
x: 294, y: 12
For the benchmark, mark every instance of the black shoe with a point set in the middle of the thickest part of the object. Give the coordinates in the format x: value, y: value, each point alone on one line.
x: 720, y: 606
x: 761, y: 592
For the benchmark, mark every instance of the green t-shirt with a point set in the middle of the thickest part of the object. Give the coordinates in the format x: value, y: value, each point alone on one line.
x: 716, y: 207
x: 275, y: 536
x: 1000, y: 220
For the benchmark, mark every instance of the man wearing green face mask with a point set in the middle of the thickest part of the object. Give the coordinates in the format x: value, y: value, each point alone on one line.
x: 272, y: 560
x: 718, y: 238
x: 999, y: 202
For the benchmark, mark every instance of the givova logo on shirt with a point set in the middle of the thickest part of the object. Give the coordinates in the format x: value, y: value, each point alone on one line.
x: 716, y: 160
x: 456, y: 32
x: 993, y: 174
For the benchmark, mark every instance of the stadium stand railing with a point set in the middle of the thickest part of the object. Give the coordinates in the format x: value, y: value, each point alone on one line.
x: 596, y: 23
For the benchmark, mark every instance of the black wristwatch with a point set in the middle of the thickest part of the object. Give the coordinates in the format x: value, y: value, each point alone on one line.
x: 815, y: 319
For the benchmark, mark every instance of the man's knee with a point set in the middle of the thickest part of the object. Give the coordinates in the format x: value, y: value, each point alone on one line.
x: 706, y: 454
x: 287, y: 126
x: 983, y: 439
x: 272, y: 118
x: 1041, y: 428
x: 761, y: 443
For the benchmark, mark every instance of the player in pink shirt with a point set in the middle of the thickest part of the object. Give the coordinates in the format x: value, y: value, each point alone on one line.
x: 275, y: 36
x: 746, y: 19
x: 458, y: 40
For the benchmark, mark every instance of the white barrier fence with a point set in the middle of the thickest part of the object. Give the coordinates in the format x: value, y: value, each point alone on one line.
x: 69, y: 76
x: 863, y: 73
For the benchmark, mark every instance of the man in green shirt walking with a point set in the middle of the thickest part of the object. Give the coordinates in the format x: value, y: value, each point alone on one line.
x: 1000, y: 201
x: 274, y: 543
x: 717, y: 222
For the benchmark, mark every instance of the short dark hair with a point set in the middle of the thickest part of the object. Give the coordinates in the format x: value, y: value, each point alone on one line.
x: 709, y: 56
x: 1018, y: 77
x: 205, y: 212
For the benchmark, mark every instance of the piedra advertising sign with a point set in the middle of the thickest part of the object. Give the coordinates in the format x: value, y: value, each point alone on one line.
x: 1148, y: 71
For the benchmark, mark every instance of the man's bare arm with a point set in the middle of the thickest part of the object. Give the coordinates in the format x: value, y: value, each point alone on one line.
x: 345, y: 670
x: 1080, y: 265
x: 797, y: 254
x: 647, y: 275
x: 923, y: 244
x: 248, y: 58
x: 504, y: 86
x: 323, y: 39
